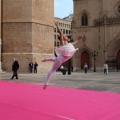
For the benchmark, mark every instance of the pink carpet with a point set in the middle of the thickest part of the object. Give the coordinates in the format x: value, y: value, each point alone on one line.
x: 20, y: 101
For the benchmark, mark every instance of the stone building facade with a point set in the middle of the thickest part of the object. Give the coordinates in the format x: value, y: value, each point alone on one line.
x: 27, y: 33
x: 98, y: 21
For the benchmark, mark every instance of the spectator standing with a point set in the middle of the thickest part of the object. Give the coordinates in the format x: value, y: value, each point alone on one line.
x: 31, y: 66
x: 105, y: 68
x: 35, y: 67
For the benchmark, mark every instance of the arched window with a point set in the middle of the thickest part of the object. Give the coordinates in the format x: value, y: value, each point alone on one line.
x: 84, y: 19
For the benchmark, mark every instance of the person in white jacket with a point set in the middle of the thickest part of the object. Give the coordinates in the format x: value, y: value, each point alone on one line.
x: 105, y: 68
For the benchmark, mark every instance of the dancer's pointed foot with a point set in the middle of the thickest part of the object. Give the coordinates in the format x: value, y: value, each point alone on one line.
x: 44, y: 60
x: 44, y: 87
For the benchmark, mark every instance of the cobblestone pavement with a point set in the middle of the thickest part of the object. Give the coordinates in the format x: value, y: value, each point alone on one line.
x: 79, y: 80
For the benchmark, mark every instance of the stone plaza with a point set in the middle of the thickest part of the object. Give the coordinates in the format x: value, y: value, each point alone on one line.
x: 94, y: 81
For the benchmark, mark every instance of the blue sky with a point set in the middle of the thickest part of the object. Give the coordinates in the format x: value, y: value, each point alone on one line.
x: 63, y: 8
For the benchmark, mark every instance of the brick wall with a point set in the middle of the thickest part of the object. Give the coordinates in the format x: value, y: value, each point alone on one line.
x: 27, y: 33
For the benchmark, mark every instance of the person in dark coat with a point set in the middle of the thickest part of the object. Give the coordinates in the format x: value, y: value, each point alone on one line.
x: 35, y: 67
x: 15, y: 67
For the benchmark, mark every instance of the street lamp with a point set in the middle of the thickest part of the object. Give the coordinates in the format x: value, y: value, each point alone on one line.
x: 94, y: 54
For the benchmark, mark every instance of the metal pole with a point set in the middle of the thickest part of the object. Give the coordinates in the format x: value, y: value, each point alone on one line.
x: 94, y: 64
x: 94, y: 54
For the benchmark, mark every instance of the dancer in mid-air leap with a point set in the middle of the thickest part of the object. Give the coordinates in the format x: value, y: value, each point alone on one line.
x: 64, y: 53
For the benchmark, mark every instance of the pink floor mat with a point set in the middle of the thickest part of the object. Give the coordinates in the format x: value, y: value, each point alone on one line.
x: 20, y: 101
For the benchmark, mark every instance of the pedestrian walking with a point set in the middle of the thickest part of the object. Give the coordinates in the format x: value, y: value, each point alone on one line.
x: 15, y: 67
x: 105, y: 68
x: 85, y: 68
x: 62, y: 69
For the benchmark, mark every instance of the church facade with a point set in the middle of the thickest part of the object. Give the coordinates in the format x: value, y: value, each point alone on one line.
x: 27, y: 33
x: 98, y: 21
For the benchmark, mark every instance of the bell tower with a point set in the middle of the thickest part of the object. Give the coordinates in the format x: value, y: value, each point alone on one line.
x: 27, y: 33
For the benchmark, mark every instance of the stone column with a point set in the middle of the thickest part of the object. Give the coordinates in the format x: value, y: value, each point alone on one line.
x: 0, y: 36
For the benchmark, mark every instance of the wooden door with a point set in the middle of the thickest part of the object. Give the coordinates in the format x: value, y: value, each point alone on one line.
x: 84, y: 59
x: 118, y: 60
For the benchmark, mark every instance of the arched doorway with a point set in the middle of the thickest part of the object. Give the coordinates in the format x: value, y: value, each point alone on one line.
x: 84, y: 59
x: 118, y: 60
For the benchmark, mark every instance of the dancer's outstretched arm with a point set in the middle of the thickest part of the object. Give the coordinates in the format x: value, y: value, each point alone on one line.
x: 60, y: 33
x: 76, y: 41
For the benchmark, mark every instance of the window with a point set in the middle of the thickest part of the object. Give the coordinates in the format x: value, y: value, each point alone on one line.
x: 55, y: 30
x: 66, y: 31
x: 69, y: 32
x: 84, y: 19
x: 54, y: 36
x: 58, y: 37
x: 57, y: 43
x: 118, y: 9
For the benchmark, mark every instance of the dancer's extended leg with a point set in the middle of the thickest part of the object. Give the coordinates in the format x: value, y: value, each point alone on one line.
x: 56, y: 65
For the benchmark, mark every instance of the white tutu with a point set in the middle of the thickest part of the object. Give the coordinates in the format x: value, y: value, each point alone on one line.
x: 66, y: 50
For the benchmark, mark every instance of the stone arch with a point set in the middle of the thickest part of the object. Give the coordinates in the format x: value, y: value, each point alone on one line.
x: 118, y: 60
x: 84, y: 59
x: 83, y: 11
x: 113, y: 47
x: 84, y: 55
x: 113, y: 56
